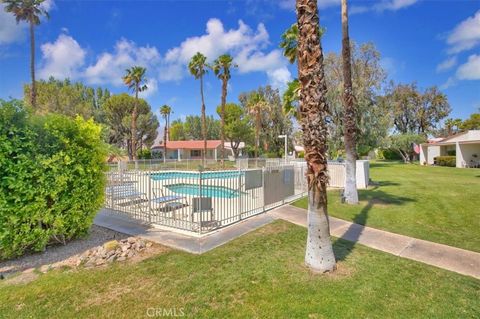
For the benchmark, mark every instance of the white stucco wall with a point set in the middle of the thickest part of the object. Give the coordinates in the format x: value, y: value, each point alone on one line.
x: 423, y: 154
x: 433, y: 151
x: 465, y: 153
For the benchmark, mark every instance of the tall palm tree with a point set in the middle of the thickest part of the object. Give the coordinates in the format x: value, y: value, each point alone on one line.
x: 198, y: 68
x: 136, y: 81
x: 221, y: 67
x: 29, y: 11
x: 256, y: 104
x: 313, y: 112
x: 349, y: 120
x: 165, y: 111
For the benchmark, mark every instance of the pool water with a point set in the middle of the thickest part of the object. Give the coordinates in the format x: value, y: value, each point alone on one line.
x: 195, y: 175
x: 207, y: 190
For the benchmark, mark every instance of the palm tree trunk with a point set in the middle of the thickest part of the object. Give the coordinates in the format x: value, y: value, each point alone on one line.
x: 257, y: 132
x: 204, y: 125
x: 33, y: 92
x: 350, y: 127
x: 134, y: 125
x: 165, y: 141
x: 222, y: 118
x: 319, y: 255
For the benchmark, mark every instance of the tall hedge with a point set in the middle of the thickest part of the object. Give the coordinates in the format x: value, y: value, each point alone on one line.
x: 51, y: 179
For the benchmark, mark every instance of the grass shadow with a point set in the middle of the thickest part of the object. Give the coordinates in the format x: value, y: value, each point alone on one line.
x: 343, y: 247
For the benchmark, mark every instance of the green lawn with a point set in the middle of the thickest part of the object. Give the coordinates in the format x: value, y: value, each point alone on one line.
x: 440, y: 204
x: 260, y: 275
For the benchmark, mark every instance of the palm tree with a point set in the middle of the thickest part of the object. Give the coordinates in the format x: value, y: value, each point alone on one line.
x: 165, y: 111
x: 290, y: 98
x: 256, y: 104
x: 313, y: 112
x: 198, y: 68
x: 136, y: 81
x: 29, y: 11
x: 289, y: 43
x: 221, y: 67
x: 349, y: 120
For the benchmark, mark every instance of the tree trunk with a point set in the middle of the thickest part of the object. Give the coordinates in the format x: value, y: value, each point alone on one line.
x: 134, y: 125
x: 257, y: 131
x: 204, y: 125
x: 349, y: 127
x: 165, y: 141
x: 33, y: 91
x: 313, y: 110
x: 222, y: 118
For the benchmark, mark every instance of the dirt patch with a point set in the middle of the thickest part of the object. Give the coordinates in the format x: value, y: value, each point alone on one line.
x: 22, y: 278
x: 273, y: 228
x: 60, y: 253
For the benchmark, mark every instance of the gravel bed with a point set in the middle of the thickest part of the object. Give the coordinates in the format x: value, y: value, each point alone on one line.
x: 97, y: 236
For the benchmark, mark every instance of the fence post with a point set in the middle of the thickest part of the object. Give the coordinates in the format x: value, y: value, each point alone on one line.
x: 239, y: 194
x: 149, y: 197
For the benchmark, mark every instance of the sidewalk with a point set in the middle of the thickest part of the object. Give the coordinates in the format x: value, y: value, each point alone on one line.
x: 454, y: 259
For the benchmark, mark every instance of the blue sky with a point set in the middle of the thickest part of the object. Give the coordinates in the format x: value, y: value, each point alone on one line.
x: 431, y: 42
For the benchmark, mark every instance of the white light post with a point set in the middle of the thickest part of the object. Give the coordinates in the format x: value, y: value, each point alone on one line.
x: 284, y: 136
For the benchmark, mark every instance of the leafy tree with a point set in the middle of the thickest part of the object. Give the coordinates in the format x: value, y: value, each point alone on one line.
x: 198, y: 68
x: 350, y: 116
x: 165, y: 112
x: 403, y: 144
x: 177, y: 132
x: 29, y: 11
x: 135, y: 80
x: 367, y: 80
x: 67, y: 98
x: 472, y: 123
x: 313, y: 112
x: 237, y: 126
x: 118, y: 117
x: 191, y: 129
x: 414, y: 111
x: 221, y: 67
x: 266, y: 102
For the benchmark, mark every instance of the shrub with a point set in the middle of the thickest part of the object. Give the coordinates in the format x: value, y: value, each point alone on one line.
x: 388, y: 154
x: 301, y: 154
x: 451, y: 152
x: 145, y: 154
x: 51, y: 181
x: 450, y: 161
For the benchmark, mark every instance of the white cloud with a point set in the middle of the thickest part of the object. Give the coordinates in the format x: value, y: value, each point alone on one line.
x: 470, y: 70
x: 244, y: 44
x: 466, y: 35
x: 62, y: 58
x: 110, y: 67
x: 447, y: 64
x: 384, y: 5
x: 279, y: 77
x: 451, y: 81
x: 10, y: 30
x: 394, y: 5
x: 152, y: 88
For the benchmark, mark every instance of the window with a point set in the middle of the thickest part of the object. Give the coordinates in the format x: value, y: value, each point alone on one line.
x: 195, y: 153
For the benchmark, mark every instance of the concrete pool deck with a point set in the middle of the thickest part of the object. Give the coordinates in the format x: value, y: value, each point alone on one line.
x: 451, y: 258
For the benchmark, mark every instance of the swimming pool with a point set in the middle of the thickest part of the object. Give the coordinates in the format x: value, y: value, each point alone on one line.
x: 207, y: 190
x: 195, y: 175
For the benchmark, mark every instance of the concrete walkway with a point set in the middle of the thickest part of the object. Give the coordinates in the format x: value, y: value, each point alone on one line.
x: 455, y: 259
x: 191, y: 244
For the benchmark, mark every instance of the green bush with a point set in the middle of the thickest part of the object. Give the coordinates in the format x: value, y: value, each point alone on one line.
x: 388, y: 154
x: 301, y: 154
x: 450, y: 161
x: 51, y: 179
x: 451, y: 152
x: 145, y: 154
